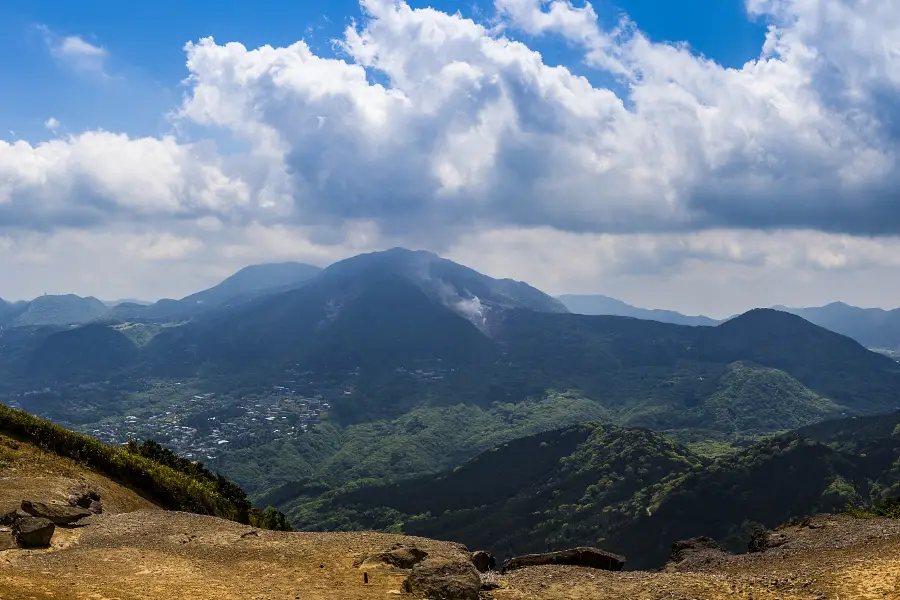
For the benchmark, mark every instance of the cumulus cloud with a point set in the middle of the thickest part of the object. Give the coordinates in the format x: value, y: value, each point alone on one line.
x: 97, y: 177
x: 52, y: 124
x: 787, y: 162
x: 474, y: 128
x: 75, y: 51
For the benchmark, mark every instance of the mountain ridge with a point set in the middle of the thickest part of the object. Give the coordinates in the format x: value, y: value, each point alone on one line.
x: 598, y: 304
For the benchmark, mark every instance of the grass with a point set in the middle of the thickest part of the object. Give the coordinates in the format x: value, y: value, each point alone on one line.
x: 889, y: 508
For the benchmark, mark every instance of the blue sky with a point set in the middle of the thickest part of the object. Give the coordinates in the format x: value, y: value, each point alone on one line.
x: 145, y: 40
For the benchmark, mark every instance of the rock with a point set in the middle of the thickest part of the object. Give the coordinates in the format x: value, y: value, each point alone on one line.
x: 95, y: 507
x: 7, y: 540
x: 684, y: 549
x: 83, y: 496
x: 440, y: 579
x: 583, y: 556
x: 33, y: 532
x: 60, y: 514
x: 483, y: 561
x: 10, y: 518
x: 694, y: 553
x: 401, y: 557
x: 759, y: 540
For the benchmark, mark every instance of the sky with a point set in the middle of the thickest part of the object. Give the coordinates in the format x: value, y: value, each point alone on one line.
x: 707, y: 156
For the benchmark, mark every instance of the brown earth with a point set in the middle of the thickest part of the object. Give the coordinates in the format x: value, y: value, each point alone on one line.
x: 134, y: 550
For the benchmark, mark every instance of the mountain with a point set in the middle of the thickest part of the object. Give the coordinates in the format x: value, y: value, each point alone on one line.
x: 629, y: 491
x: 10, y: 310
x: 871, y: 327
x: 244, y: 286
x: 253, y: 280
x: 66, y: 309
x: 114, y: 303
x: 393, y: 307
x: 595, y: 304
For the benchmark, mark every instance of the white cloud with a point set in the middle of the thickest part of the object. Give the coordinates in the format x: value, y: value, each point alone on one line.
x: 52, y: 124
x: 787, y: 163
x: 75, y: 51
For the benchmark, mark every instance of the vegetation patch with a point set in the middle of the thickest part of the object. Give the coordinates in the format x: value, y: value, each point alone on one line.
x: 174, y: 482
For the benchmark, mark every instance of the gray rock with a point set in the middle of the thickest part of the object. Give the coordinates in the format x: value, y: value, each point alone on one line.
x: 440, y: 579
x: 695, y: 553
x: 401, y: 557
x: 7, y: 540
x: 483, y: 561
x: 11, y: 517
x: 60, y: 514
x: 83, y: 496
x: 583, y: 556
x: 33, y: 532
x: 95, y: 507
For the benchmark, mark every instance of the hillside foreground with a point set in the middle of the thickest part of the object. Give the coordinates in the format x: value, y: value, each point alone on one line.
x: 135, y: 550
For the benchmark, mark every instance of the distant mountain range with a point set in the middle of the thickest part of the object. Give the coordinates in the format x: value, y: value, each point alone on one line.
x: 595, y: 304
x: 384, y: 314
x: 871, y: 327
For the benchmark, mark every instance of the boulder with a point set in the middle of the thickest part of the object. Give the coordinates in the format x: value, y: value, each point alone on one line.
x: 83, y: 496
x: 442, y: 579
x: 694, y: 553
x: 33, y: 532
x: 483, y: 561
x: 400, y: 556
x: 60, y: 514
x: 582, y: 556
x: 759, y: 540
x: 7, y: 539
x: 95, y: 507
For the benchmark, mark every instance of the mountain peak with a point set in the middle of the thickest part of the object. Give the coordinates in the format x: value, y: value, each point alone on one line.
x: 467, y: 292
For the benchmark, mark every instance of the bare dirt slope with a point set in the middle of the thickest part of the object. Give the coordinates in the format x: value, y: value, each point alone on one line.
x: 135, y: 550
x: 27, y: 473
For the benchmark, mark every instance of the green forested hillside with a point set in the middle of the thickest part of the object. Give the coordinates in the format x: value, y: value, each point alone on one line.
x: 425, y: 440
x: 59, y: 310
x: 752, y: 399
x: 628, y: 490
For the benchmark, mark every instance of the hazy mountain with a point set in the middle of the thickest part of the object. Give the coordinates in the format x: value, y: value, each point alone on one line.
x: 255, y: 279
x: 595, y: 304
x: 59, y: 310
x: 872, y: 327
x: 112, y: 303
x: 8, y: 310
x: 384, y: 314
x: 465, y: 291
x: 244, y: 286
x: 377, y: 311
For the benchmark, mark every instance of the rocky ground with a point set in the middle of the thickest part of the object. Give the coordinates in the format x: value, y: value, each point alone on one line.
x: 134, y: 550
